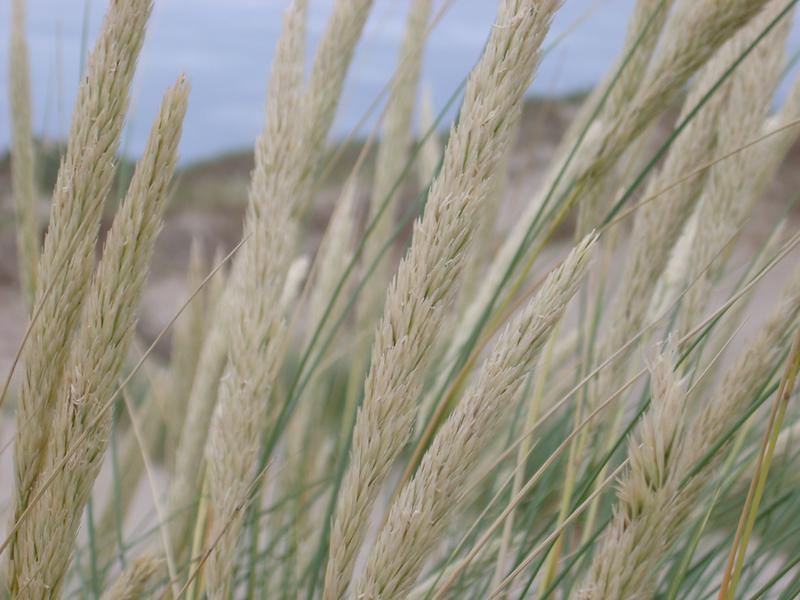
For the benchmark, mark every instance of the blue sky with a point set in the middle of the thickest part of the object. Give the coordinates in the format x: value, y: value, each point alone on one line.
x: 226, y: 46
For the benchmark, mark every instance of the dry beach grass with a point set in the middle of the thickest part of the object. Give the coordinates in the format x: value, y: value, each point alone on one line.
x: 546, y: 355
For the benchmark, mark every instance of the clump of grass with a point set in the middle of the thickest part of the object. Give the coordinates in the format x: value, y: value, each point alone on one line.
x: 67, y: 258
x: 313, y: 445
x: 428, y: 276
x: 420, y: 513
x: 75, y: 447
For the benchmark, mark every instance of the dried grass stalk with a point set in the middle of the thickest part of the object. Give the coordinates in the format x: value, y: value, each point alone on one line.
x: 134, y: 583
x: 655, y: 500
x: 22, y: 155
x: 331, y: 60
x: 422, y: 510
x: 642, y: 528
x: 257, y: 325
x: 427, y: 278
x: 643, y: 33
x: 67, y: 259
x: 42, y: 548
x: 430, y: 154
x: 392, y: 156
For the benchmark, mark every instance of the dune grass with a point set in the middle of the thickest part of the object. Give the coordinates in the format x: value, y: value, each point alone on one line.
x: 470, y: 421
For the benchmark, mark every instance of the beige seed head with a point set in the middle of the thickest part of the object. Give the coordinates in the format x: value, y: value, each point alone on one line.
x: 427, y: 278
x: 642, y: 527
x: 335, y: 253
x: 653, y: 507
x: 422, y: 510
x: 393, y: 152
x: 295, y: 278
x: 741, y: 382
x: 67, y: 258
x: 431, y: 151
x: 331, y: 60
x: 22, y: 154
x: 257, y: 324
x: 184, y: 485
x: 135, y: 581
x: 43, y: 545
